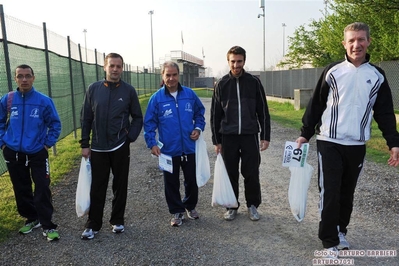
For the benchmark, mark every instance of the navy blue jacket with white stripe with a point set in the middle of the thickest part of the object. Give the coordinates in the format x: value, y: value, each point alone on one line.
x: 345, y: 100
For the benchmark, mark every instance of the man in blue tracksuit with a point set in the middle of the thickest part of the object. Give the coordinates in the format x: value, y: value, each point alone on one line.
x: 32, y: 128
x: 177, y: 114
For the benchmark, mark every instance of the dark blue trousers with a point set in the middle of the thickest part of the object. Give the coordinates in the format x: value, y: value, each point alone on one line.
x: 23, y: 168
x: 172, y: 184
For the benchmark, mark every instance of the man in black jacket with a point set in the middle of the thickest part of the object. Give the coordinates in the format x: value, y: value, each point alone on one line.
x: 239, y: 112
x: 107, y: 106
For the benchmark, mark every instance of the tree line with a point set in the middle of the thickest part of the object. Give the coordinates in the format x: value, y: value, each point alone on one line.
x: 319, y: 43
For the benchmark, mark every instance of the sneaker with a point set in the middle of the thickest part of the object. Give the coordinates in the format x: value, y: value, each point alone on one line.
x: 118, y: 228
x: 253, y: 213
x: 177, y: 219
x: 51, y: 234
x: 88, y: 234
x: 193, y: 214
x: 230, y: 215
x: 343, y: 243
x: 331, y: 253
x: 28, y: 227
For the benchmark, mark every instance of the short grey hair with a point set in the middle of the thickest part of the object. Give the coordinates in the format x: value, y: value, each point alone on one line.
x: 170, y: 64
x: 357, y: 26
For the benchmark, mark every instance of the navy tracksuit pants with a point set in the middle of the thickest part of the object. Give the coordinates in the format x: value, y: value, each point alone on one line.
x: 23, y: 168
x: 172, y: 184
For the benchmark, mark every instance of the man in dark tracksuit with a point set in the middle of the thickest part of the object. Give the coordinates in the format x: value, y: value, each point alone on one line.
x: 106, y: 112
x: 349, y: 93
x: 238, y: 112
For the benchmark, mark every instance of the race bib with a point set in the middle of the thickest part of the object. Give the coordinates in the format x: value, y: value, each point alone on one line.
x: 293, y: 156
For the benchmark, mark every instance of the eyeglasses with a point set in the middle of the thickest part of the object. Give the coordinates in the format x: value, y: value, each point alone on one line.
x: 24, y: 77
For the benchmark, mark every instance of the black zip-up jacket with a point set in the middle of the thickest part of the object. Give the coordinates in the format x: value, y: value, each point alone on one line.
x: 239, y: 107
x: 106, y: 113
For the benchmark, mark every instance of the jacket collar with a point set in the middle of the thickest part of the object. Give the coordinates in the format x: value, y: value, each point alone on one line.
x: 233, y: 77
x: 26, y: 94
x: 365, y: 61
x: 179, y: 88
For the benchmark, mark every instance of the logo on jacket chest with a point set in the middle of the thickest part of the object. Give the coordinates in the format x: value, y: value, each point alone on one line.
x: 34, y: 113
x: 188, y: 107
x: 168, y: 113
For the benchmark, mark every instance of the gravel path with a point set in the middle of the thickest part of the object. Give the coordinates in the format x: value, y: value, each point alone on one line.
x: 276, y: 239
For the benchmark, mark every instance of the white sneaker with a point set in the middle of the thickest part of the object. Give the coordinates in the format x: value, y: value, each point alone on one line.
x: 343, y: 243
x: 331, y: 253
x: 88, y: 234
x: 118, y: 228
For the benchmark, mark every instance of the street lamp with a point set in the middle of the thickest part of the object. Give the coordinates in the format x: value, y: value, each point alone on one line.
x: 84, y: 32
x: 284, y: 25
x: 262, y: 5
x: 152, y: 45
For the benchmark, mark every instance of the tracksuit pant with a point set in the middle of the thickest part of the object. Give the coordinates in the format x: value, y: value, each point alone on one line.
x: 23, y: 168
x: 172, y: 184
x: 101, y: 164
x: 246, y: 148
x: 339, y: 170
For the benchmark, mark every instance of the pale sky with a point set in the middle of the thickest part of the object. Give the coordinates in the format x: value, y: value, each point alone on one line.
x: 123, y: 26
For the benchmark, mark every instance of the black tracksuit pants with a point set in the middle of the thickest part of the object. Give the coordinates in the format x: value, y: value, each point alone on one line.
x: 246, y: 148
x: 172, y: 184
x: 101, y: 164
x: 339, y: 169
x: 23, y: 168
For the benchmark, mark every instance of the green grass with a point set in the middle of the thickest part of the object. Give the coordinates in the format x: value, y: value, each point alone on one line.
x: 68, y: 157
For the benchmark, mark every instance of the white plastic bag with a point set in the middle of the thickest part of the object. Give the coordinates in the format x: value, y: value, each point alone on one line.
x: 202, y: 162
x: 83, y: 188
x: 223, y: 193
x: 298, y: 190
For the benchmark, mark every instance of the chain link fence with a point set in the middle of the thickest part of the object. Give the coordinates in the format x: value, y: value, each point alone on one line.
x: 63, y: 69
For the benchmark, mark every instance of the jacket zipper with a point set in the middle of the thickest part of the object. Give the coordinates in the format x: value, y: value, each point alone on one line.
x: 239, y: 106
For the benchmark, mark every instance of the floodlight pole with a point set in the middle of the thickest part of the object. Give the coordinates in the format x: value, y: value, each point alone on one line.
x: 284, y: 25
x: 85, y: 32
x: 151, y: 12
x: 262, y: 5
